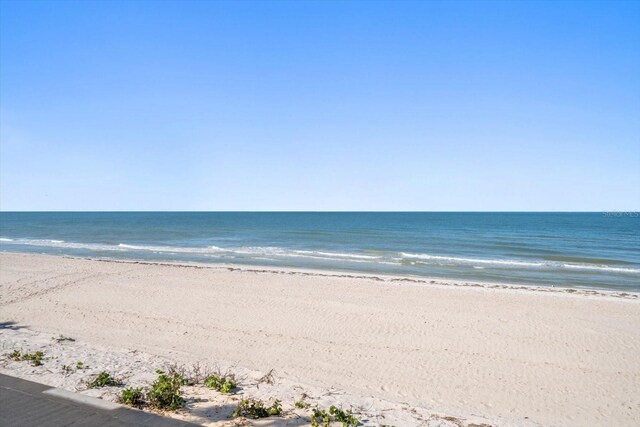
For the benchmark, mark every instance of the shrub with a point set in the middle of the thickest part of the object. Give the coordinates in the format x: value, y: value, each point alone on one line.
x: 253, y: 408
x: 222, y: 383
x: 165, y: 391
x: 79, y: 365
x: 132, y: 396
x: 104, y: 379
x: 15, y: 355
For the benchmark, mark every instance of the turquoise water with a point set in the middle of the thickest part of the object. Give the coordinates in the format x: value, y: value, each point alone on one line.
x: 593, y: 250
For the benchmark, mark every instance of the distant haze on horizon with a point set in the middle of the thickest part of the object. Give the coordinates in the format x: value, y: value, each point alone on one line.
x: 319, y: 106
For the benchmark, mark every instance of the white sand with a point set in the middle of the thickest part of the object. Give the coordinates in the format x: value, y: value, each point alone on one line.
x: 505, y: 355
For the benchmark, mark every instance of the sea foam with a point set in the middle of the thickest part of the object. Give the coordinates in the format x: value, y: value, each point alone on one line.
x: 271, y: 252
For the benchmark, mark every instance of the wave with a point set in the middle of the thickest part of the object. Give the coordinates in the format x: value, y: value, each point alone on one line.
x: 518, y: 263
x: 469, y: 260
x: 209, y: 250
x: 50, y: 243
x: 340, y: 255
x: 299, y: 253
x: 279, y: 253
x: 171, y: 249
x: 603, y: 268
x: 582, y: 260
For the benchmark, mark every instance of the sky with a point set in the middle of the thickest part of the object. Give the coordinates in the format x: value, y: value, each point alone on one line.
x: 321, y: 106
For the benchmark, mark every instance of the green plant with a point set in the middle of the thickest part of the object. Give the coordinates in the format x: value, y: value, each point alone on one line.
x: 320, y: 417
x: 165, y: 391
x: 301, y: 404
x: 253, y: 408
x: 222, y: 383
x: 132, y: 396
x: 79, y: 365
x: 346, y: 418
x: 34, y: 358
x: 104, y: 379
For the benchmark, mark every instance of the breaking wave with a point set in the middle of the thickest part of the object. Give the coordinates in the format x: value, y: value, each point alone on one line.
x: 275, y: 253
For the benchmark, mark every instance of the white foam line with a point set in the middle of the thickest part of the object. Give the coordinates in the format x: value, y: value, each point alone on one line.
x: 270, y: 251
x: 174, y: 249
x: 519, y: 263
x: 471, y: 260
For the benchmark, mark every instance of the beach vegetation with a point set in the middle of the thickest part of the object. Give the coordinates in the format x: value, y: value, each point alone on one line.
x: 35, y: 358
x: 104, y: 379
x: 253, y: 408
x: 132, y: 396
x: 268, y: 378
x: 196, y: 375
x: 192, y: 376
x: 321, y: 417
x: 69, y: 369
x: 165, y: 391
x: 224, y: 383
x: 301, y: 404
x: 346, y: 418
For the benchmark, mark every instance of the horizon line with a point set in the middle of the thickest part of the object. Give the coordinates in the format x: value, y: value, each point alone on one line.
x: 316, y: 211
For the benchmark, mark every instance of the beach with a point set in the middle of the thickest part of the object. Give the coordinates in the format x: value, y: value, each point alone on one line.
x: 507, y: 355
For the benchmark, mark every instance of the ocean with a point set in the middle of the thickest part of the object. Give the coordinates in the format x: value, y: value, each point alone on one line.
x: 586, y: 250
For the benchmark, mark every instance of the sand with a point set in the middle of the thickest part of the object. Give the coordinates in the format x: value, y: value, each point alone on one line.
x: 405, y: 351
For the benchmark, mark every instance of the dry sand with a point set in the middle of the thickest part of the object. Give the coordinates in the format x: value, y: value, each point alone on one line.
x: 403, y: 348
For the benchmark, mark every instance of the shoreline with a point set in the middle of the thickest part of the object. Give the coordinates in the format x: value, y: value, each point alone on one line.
x: 504, y: 355
x: 413, y: 280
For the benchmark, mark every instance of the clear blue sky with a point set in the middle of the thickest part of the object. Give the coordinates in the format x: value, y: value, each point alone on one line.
x: 206, y: 105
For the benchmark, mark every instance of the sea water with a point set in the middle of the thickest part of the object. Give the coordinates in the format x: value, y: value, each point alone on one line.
x: 593, y: 250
